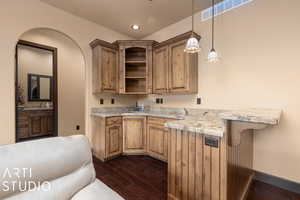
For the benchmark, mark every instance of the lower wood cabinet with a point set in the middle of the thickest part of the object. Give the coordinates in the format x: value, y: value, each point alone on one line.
x: 130, y: 135
x: 107, y: 137
x: 134, y: 138
x: 157, y: 138
x: 35, y: 123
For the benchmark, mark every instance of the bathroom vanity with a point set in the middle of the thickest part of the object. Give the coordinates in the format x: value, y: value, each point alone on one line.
x: 35, y: 122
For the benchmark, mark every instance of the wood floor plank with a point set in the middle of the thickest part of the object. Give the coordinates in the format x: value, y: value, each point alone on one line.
x: 144, y: 178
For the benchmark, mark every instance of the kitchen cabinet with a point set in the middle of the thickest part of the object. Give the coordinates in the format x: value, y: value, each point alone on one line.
x: 143, y: 67
x: 105, y: 67
x: 135, y: 72
x: 134, y: 134
x: 157, y: 138
x: 107, y: 137
x: 174, y: 70
x: 160, y: 70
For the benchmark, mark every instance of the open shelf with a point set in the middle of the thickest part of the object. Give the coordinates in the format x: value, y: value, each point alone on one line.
x: 135, y: 85
x: 135, y: 54
x: 135, y: 70
x: 135, y: 61
x: 135, y: 77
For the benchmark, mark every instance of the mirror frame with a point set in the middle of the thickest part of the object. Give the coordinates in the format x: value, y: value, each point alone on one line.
x: 54, y: 83
x: 30, y: 99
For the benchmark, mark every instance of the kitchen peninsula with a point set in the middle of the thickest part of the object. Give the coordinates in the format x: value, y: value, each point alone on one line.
x: 209, y: 152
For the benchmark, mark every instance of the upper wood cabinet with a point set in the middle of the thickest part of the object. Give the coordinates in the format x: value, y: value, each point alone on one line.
x: 145, y: 66
x: 160, y: 69
x: 105, y: 67
x: 135, y: 72
x: 134, y: 130
x: 175, y: 71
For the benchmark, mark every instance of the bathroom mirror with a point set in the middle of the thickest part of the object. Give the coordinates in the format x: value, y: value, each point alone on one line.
x: 39, y: 87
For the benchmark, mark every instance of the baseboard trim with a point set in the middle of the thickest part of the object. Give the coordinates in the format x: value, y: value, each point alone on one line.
x: 278, y: 182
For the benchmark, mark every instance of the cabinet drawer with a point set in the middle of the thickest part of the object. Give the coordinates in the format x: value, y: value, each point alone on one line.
x: 113, y: 120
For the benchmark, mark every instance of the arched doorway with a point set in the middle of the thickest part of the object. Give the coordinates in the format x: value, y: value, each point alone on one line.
x: 70, y: 81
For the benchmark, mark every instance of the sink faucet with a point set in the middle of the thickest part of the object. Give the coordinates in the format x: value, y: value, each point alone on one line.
x: 140, y: 108
x: 186, y: 111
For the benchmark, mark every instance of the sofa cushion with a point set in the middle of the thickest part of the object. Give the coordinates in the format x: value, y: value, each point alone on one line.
x: 95, y: 191
x: 66, y: 162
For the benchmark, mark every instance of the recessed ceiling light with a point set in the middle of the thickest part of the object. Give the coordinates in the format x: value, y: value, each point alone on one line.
x: 135, y: 27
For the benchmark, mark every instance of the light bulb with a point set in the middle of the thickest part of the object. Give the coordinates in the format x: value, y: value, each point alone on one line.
x: 135, y: 27
x: 192, y: 45
x: 213, y: 56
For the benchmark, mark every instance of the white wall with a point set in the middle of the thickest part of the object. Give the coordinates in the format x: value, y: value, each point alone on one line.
x: 259, y: 45
x: 16, y: 18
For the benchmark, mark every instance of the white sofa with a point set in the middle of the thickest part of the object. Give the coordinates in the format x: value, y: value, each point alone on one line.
x: 62, y: 166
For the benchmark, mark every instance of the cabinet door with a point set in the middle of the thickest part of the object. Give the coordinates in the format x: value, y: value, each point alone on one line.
x: 183, y: 69
x: 134, y: 135
x: 35, y: 125
x: 105, y: 70
x: 114, y: 140
x: 157, y: 145
x: 109, y: 69
x: 160, y: 70
x: 178, y: 67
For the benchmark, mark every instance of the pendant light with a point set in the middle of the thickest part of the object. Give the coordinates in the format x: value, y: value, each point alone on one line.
x: 213, y: 55
x: 192, y: 45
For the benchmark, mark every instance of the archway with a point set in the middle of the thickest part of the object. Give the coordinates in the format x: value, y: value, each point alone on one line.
x: 70, y: 78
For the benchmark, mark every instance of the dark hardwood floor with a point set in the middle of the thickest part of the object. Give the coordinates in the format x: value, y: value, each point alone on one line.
x: 144, y: 178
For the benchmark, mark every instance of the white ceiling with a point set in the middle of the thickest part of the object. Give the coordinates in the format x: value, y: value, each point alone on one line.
x: 119, y: 15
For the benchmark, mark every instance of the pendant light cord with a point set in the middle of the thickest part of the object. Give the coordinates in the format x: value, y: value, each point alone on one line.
x: 192, y: 16
x: 213, y: 24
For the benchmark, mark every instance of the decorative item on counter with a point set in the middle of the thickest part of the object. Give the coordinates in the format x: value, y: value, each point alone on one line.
x: 192, y: 45
x: 20, y: 96
x: 213, y: 56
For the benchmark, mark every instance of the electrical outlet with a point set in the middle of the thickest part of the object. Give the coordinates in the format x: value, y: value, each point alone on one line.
x: 101, y: 101
x: 112, y: 101
x: 157, y: 101
x: 77, y: 127
x: 199, y: 101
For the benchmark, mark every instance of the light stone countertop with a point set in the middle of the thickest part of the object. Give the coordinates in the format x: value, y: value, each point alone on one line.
x: 202, y: 121
x: 254, y: 115
x: 202, y: 125
x: 148, y: 114
x: 36, y: 109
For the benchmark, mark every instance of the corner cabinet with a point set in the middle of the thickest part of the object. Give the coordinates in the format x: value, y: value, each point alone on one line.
x: 141, y: 67
x: 134, y: 130
x: 175, y: 71
x: 105, y: 67
x: 135, y: 72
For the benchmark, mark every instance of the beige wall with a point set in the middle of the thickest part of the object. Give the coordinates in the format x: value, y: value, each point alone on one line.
x: 16, y: 18
x: 33, y: 61
x: 259, y: 44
